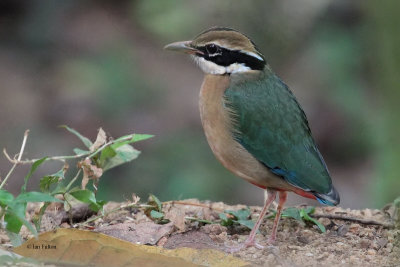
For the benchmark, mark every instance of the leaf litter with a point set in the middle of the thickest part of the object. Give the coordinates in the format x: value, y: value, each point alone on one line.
x: 344, y: 243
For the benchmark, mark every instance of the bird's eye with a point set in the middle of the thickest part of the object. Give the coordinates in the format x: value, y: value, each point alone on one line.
x: 211, y: 49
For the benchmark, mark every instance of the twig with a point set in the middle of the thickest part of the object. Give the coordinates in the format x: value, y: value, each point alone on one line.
x: 30, y: 161
x: 17, y: 161
x: 208, y: 206
x: 73, y: 180
x: 353, y: 219
x: 199, y: 220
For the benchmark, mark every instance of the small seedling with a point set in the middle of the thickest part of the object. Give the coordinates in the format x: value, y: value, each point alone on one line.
x: 155, y: 212
x: 301, y: 215
x: 241, y: 217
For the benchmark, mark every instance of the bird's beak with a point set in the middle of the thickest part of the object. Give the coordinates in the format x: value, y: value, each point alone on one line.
x: 183, y: 47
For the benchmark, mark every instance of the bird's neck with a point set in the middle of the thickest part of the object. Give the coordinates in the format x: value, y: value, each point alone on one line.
x: 253, y: 75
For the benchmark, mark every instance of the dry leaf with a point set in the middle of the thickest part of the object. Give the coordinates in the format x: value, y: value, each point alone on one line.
x: 101, y: 139
x: 192, y: 239
x: 72, y: 246
x: 142, y: 233
x: 177, y: 216
x: 135, y: 198
x: 90, y: 171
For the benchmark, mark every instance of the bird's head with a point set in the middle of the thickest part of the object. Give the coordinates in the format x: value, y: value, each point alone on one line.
x: 222, y: 51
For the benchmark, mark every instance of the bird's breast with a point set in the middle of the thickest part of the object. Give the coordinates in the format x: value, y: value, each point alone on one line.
x: 218, y: 127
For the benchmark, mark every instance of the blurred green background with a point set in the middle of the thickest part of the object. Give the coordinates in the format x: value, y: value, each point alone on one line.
x: 91, y: 64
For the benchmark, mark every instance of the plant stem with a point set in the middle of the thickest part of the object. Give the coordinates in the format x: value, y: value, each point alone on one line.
x: 89, y: 154
x: 18, y: 160
x: 73, y: 180
x: 200, y: 220
x: 207, y: 206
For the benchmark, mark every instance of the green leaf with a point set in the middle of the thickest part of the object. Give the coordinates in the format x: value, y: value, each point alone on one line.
x: 94, y: 207
x: 5, y: 197
x: 141, y: 137
x: 15, y: 218
x: 306, y: 217
x: 16, y: 239
x: 37, y: 220
x: 292, y: 213
x: 85, y: 196
x: 13, y: 223
x: 126, y: 153
x: 59, y: 174
x: 15, y: 260
x: 248, y: 223
x: 132, y: 138
x: 35, y: 165
x: 309, y: 210
x: 106, y: 154
x: 46, y: 182
x: 84, y: 139
x: 68, y: 200
x: 225, y: 221
x: 81, y: 152
x: 122, y: 155
x: 242, y: 214
x: 154, y: 200
x: 36, y: 197
x: 156, y: 214
x: 24, y: 222
x: 60, y: 189
x: 396, y: 202
x: 6, y: 260
x: 223, y: 216
x: 97, y: 206
x: 200, y: 220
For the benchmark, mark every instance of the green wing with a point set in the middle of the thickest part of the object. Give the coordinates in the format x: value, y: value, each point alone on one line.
x: 271, y: 125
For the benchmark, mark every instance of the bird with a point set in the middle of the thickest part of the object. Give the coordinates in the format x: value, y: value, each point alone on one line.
x: 254, y: 124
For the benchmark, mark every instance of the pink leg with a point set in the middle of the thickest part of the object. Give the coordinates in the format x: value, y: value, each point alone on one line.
x: 282, y: 200
x: 250, y: 241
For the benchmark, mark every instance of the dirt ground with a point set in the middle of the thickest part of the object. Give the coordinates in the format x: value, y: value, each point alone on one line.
x: 353, y: 237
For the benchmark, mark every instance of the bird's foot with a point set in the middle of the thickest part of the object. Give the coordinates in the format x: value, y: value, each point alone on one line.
x: 271, y: 240
x: 244, y: 245
x: 251, y: 243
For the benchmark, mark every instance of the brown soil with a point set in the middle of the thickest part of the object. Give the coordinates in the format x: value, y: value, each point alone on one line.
x: 362, y: 238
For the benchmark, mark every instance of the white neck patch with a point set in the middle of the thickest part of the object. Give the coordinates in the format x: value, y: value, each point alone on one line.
x: 212, y: 68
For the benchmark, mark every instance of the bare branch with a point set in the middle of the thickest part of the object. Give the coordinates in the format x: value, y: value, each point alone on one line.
x: 89, y: 154
x: 18, y: 159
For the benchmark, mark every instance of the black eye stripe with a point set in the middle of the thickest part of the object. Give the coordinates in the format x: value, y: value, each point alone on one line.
x: 225, y: 57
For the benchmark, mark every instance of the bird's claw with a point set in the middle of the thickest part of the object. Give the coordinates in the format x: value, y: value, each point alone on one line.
x: 246, y: 244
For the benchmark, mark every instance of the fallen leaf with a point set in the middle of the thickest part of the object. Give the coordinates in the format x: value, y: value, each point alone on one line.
x: 72, y: 246
x: 142, y: 233
x: 177, y: 217
x: 192, y: 239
